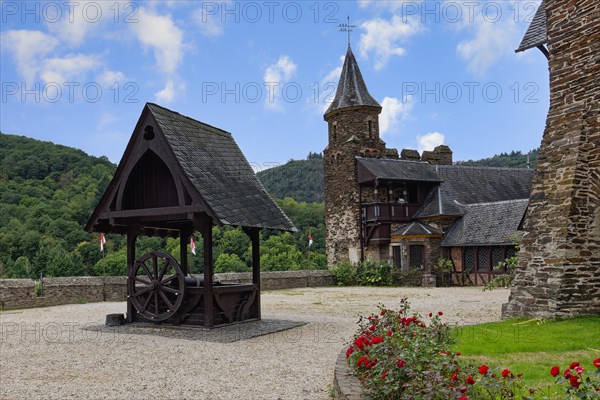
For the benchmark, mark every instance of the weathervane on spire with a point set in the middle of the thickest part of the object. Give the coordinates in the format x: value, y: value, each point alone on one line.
x: 347, y: 28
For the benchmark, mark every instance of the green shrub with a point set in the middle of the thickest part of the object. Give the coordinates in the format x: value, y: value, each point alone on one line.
x: 345, y: 273
x: 371, y: 274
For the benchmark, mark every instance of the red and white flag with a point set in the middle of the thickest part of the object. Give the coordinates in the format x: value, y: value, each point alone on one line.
x: 102, y: 242
x: 310, y: 241
x: 192, y: 246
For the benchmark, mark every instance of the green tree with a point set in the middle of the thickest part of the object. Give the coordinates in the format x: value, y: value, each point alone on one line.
x: 230, y: 263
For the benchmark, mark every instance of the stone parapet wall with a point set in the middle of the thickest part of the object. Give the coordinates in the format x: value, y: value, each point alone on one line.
x: 345, y: 385
x: 20, y: 293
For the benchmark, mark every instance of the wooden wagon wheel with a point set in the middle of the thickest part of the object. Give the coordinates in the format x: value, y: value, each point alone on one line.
x: 155, y: 286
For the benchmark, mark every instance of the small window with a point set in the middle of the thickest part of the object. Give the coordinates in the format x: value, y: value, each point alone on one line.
x: 469, y: 259
x: 397, y: 256
x: 483, y: 259
x: 335, y: 132
x: 370, y: 129
x: 417, y: 256
x: 497, y: 258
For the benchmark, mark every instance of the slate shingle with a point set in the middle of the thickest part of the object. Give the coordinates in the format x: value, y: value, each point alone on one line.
x: 219, y: 171
x: 536, y: 34
x: 399, y: 169
x: 487, y: 224
x: 351, y: 90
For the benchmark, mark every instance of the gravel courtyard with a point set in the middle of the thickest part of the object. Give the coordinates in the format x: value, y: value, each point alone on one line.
x: 49, y: 353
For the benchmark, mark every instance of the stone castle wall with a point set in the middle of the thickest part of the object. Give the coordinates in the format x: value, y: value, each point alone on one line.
x: 20, y: 293
x: 559, y: 266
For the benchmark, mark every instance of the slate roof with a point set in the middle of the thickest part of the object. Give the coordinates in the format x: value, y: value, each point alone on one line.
x: 536, y: 34
x: 487, y: 224
x: 469, y: 185
x: 372, y: 168
x: 416, y: 228
x: 352, y: 90
x: 215, y: 165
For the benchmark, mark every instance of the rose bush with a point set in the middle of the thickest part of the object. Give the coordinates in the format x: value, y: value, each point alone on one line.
x: 397, y: 354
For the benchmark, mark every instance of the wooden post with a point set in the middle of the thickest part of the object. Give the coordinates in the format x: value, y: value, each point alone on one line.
x: 208, y: 275
x: 184, y: 236
x: 132, y: 235
x: 254, y: 234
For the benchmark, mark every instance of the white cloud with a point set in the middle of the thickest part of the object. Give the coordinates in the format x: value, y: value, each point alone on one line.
x: 328, y: 87
x: 167, y: 94
x: 68, y: 69
x: 491, y: 42
x: 430, y: 140
x: 108, y: 78
x: 381, y: 38
x: 209, y: 24
x: 491, y: 36
x: 106, y: 118
x: 159, y: 33
x: 393, y: 111
x: 274, y: 77
x: 28, y: 49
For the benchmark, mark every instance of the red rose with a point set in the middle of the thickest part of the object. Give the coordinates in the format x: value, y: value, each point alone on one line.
x: 470, y: 380
x: 383, y: 375
x: 454, y: 377
x: 349, y: 351
x: 372, y: 327
x: 567, y: 373
x: 389, y: 333
x: 484, y: 369
x: 463, y: 389
x: 574, y: 381
x: 363, y: 360
x: 554, y: 371
x: 430, y: 314
x: 382, y: 313
x: 440, y: 313
x: 597, y: 363
x: 574, y: 364
x: 505, y: 373
x: 400, y: 363
x: 464, y: 398
x: 458, y: 354
x: 377, y: 339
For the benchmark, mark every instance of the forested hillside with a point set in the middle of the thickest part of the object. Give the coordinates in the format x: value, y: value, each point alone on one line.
x: 301, y: 180
x: 47, y: 193
x: 514, y: 159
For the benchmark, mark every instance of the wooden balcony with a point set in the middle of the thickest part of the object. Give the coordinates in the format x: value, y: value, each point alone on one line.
x: 388, y: 212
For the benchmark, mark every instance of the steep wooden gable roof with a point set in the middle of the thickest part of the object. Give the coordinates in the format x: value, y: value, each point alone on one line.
x: 195, y: 168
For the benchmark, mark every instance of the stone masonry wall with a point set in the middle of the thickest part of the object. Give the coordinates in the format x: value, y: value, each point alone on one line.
x: 348, y: 137
x: 20, y: 293
x: 559, y: 266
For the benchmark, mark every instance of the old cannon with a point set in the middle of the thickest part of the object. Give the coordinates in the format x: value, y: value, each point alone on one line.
x: 179, y: 176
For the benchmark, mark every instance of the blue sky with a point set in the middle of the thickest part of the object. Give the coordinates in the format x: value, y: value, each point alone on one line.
x: 78, y: 73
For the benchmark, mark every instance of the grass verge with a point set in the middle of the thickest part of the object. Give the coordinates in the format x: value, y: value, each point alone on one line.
x: 532, y: 347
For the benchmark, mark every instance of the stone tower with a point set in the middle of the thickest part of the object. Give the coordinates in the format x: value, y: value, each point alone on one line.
x: 559, y: 266
x: 353, y: 126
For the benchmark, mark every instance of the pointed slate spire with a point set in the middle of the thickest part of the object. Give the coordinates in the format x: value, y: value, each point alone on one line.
x: 352, y: 90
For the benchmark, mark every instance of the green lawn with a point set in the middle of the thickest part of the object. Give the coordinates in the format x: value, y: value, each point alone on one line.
x: 532, y: 347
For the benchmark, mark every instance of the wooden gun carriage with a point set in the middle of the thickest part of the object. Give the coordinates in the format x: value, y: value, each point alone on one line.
x: 177, y: 176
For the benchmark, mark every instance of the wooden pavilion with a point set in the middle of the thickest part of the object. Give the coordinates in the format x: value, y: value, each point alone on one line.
x: 179, y: 175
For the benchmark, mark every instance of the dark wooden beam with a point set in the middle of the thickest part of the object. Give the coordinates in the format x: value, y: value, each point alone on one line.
x: 254, y: 234
x: 132, y: 235
x: 184, y: 236
x: 153, y: 212
x: 206, y: 231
